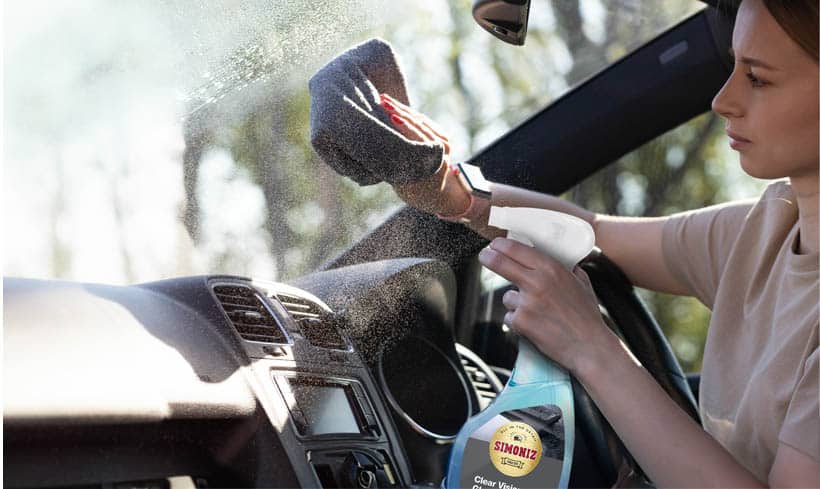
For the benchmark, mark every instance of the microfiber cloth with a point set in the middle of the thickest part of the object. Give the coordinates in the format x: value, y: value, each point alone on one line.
x: 352, y: 133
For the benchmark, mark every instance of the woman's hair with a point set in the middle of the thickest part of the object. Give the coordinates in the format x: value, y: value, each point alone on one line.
x: 799, y: 19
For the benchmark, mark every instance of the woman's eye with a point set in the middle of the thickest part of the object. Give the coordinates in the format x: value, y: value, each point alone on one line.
x: 755, y: 81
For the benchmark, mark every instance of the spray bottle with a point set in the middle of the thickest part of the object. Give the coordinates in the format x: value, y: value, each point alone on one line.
x: 525, y: 438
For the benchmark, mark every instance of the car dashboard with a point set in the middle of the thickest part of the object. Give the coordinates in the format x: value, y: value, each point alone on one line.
x: 344, y: 378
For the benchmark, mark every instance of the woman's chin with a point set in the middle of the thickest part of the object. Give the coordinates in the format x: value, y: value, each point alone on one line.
x: 759, y: 169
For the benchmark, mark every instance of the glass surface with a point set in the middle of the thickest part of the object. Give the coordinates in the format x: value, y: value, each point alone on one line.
x: 159, y: 138
x: 326, y: 409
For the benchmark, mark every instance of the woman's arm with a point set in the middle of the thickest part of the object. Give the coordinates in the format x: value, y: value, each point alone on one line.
x: 634, y: 244
x: 442, y: 193
x: 671, y: 448
x: 557, y: 310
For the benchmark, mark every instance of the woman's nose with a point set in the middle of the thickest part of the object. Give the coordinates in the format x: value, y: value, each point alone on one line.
x: 726, y: 102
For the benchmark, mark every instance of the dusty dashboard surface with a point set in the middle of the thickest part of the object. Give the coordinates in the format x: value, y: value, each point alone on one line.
x: 225, y: 381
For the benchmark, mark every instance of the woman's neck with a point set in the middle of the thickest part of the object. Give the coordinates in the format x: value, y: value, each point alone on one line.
x: 806, y: 190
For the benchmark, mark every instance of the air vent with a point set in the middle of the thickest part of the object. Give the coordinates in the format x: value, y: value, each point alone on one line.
x: 320, y: 327
x: 249, y: 315
x: 299, y: 307
x: 482, y: 386
x: 477, y: 371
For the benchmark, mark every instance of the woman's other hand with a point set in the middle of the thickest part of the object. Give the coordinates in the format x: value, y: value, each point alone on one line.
x: 554, y: 308
x: 441, y: 193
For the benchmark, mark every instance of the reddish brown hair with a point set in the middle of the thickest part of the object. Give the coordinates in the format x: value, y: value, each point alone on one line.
x: 799, y: 18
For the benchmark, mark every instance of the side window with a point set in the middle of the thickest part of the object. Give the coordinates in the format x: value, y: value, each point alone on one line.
x: 687, y: 168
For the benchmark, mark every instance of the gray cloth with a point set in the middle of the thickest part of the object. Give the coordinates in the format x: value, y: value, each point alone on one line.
x: 352, y: 132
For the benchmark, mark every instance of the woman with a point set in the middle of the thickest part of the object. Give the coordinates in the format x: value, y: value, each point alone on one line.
x: 754, y: 263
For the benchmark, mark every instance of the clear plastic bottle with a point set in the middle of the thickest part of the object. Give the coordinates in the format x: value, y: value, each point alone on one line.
x: 525, y: 438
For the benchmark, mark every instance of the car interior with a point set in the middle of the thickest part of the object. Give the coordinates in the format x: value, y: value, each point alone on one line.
x: 359, y: 374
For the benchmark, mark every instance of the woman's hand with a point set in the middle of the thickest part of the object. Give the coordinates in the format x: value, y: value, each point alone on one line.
x: 414, y: 125
x: 441, y: 193
x: 554, y: 308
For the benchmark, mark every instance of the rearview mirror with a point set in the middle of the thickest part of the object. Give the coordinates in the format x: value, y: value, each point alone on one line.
x: 505, y: 19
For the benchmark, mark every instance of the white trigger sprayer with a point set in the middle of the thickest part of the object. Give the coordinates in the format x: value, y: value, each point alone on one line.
x: 566, y: 238
x: 503, y: 446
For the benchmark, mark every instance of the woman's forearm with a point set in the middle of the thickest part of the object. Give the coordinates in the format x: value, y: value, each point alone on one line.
x: 509, y: 196
x: 671, y: 448
x: 442, y: 193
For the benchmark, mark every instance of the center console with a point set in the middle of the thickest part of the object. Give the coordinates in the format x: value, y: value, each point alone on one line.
x: 327, y: 407
x: 316, y: 390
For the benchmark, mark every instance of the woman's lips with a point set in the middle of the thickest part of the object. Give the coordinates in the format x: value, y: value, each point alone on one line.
x: 737, y: 141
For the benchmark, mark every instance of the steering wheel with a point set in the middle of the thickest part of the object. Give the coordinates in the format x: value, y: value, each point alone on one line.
x: 628, y: 317
x: 625, y: 314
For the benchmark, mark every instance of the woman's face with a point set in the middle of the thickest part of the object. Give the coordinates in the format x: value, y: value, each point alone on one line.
x: 770, y: 100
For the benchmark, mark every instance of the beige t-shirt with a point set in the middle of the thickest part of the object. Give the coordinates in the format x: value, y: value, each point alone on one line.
x: 759, y: 383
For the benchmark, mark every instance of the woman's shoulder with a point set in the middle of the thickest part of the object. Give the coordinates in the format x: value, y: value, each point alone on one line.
x: 779, y: 189
x: 777, y: 203
x: 776, y: 206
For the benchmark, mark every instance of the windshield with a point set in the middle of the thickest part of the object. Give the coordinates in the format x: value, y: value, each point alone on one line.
x: 145, y: 140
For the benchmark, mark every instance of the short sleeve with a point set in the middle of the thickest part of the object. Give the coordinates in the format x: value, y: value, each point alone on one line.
x: 801, y: 426
x: 696, y: 245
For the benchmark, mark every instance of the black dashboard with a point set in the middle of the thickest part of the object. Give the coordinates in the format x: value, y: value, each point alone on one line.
x: 344, y: 378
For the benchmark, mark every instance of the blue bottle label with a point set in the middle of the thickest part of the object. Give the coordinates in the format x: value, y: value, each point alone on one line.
x: 517, y: 449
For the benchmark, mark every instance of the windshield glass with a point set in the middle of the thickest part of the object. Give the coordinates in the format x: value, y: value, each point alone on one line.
x: 145, y: 140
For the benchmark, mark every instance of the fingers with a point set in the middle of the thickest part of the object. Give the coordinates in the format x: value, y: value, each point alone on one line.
x: 410, y: 130
x: 526, y: 255
x: 516, y: 322
x: 408, y: 111
x: 582, y: 275
x: 505, y: 266
x: 406, y: 127
x: 511, y: 300
x: 421, y: 122
x: 408, y: 122
x: 586, y: 283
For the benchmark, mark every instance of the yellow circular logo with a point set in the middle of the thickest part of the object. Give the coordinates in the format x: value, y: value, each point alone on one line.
x: 515, y: 449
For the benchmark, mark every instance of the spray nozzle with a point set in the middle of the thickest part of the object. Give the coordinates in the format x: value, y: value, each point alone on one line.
x: 566, y: 238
